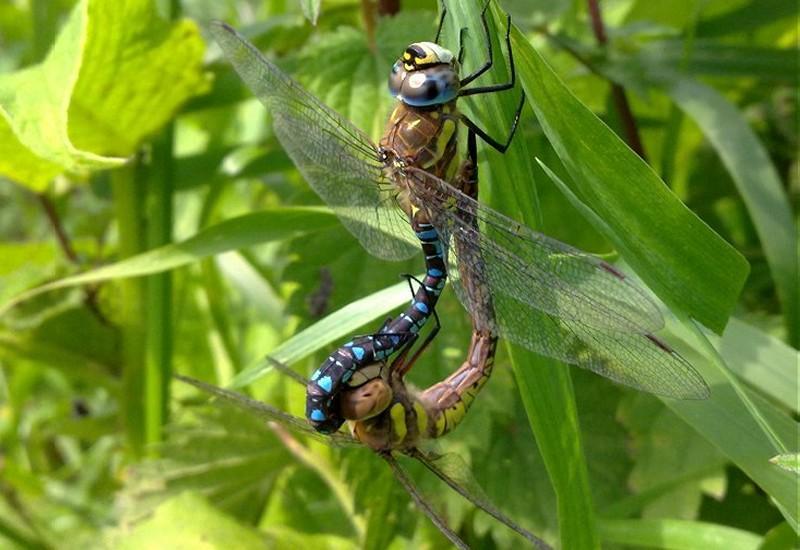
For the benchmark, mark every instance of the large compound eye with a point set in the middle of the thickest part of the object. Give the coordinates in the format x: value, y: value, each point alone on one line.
x: 434, y: 86
x: 396, y: 78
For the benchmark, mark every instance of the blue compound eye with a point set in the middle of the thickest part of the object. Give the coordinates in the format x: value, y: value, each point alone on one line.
x: 434, y: 86
x: 396, y: 78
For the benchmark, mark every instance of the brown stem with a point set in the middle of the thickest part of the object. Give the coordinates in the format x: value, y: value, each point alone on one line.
x: 66, y: 246
x: 368, y: 13
x: 620, y: 98
x: 388, y: 7
x: 58, y: 227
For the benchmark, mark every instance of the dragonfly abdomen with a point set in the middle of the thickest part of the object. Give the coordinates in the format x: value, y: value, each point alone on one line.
x: 447, y: 402
x: 344, y: 366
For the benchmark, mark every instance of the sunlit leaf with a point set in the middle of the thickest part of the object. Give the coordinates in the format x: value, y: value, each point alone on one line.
x: 99, y: 92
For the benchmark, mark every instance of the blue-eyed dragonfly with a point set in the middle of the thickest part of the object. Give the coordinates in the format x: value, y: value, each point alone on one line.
x: 546, y: 296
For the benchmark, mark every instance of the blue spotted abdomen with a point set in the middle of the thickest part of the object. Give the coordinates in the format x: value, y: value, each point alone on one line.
x: 342, y: 368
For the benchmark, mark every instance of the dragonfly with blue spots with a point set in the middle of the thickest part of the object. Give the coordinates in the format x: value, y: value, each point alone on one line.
x: 402, y: 192
x: 404, y: 421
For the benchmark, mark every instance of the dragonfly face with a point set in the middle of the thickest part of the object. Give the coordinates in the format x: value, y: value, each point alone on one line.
x: 426, y: 75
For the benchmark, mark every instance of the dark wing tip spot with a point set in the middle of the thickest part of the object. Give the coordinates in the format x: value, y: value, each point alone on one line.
x: 659, y: 342
x: 222, y: 25
x: 613, y: 270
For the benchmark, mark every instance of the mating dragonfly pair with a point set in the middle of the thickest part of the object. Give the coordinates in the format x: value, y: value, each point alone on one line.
x: 407, y: 193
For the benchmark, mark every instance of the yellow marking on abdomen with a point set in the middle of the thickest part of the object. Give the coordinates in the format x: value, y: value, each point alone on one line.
x: 441, y: 423
x: 398, y: 414
x: 455, y: 414
x: 422, y: 419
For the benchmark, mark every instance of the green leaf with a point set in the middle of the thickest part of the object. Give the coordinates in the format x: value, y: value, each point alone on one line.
x: 746, y: 17
x: 338, y: 325
x: 715, y: 59
x: 763, y: 361
x: 678, y: 256
x: 745, y: 427
x: 757, y: 181
x: 189, y: 521
x: 789, y: 462
x: 243, y: 231
x: 311, y: 9
x: 99, y: 92
x: 676, y: 534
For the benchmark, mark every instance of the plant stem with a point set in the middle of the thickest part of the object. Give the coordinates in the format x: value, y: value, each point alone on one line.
x: 58, y: 228
x: 159, y: 333
x: 90, y: 298
x: 388, y: 7
x: 368, y: 14
x: 128, y: 207
x: 620, y: 98
x: 159, y: 290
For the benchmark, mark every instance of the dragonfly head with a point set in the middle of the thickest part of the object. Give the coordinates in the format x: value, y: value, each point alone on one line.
x: 366, y: 401
x: 367, y: 393
x: 426, y: 75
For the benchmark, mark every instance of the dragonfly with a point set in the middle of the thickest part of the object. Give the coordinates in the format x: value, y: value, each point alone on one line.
x: 410, y: 418
x: 546, y: 296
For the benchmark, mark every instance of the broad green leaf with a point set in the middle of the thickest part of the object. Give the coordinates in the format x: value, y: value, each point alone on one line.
x: 746, y: 428
x: 728, y: 419
x: 99, y: 92
x: 678, y: 256
x: 757, y: 181
x: 763, y: 361
x: 243, y: 231
x: 789, y: 462
x: 677, y: 535
x: 189, y: 521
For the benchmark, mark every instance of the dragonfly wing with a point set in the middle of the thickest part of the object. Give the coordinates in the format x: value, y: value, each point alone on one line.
x: 335, y: 157
x: 268, y: 412
x: 422, y: 504
x: 451, y: 469
x: 556, y: 300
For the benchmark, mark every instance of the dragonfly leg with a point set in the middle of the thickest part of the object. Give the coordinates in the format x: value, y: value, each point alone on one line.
x: 405, y: 366
x: 400, y: 364
x: 500, y: 147
x: 488, y: 65
x: 441, y: 24
x: 461, y: 50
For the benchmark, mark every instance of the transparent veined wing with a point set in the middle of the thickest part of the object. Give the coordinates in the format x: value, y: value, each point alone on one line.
x: 454, y: 472
x: 401, y: 476
x: 554, y: 299
x: 335, y: 157
x: 269, y: 413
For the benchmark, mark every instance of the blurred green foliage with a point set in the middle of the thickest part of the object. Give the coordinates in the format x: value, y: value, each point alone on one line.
x: 150, y: 223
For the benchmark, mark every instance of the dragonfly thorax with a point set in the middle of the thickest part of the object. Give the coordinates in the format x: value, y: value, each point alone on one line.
x: 426, y: 75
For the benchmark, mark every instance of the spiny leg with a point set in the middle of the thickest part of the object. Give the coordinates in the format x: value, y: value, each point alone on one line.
x: 488, y: 65
x: 400, y: 364
x: 500, y: 147
x: 441, y: 24
x: 461, y: 50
